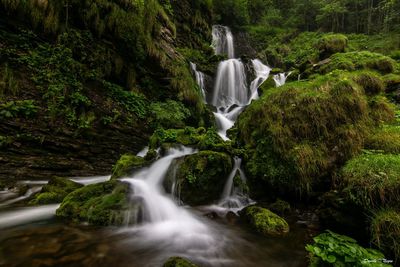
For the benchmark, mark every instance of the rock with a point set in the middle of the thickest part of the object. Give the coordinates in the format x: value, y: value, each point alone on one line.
x: 280, y: 207
x: 99, y: 204
x: 55, y: 191
x: 264, y: 221
x: 126, y: 165
x: 200, y: 178
x: 178, y: 262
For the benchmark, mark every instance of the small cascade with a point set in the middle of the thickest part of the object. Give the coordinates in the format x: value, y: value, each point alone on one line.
x: 280, y: 79
x: 222, y: 41
x: 142, y: 153
x: 199, y: 79
x: 234, y: 198
x: 262, y: 73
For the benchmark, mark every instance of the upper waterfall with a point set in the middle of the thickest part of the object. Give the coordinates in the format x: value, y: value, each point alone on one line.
x: 222, y: 41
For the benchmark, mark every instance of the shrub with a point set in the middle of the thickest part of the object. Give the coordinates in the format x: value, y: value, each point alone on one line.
x: 170, y: 114
x: 20, y: 108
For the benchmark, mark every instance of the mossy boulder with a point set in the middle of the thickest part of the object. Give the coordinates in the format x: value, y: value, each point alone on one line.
x: 280, y: 207
x: 126, y: 165
x: 372, y: 180
x: 330, y: 44
x: 371, y: 82
x: 358, y: 60
x: 385, y: 232
x: 178, y: 262
x: 332, y: 249
x: 291, y: 133
x: 55, y: 191
x: 98, y: 204
x: 386, y: 139
x: 200, y: 178
x: 264, y: 221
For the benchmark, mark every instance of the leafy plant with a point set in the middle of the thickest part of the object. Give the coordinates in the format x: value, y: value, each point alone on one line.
x: 331, y: 249
x: 21, y: 108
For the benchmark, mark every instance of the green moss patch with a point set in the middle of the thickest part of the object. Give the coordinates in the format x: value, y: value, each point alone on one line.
x: 373, y: 180
x: 98, y: 204
x: 126, y: 165
x: 264, y: 221
x: 386, y: 138
x: 332, y: 43
x: 55, y: 191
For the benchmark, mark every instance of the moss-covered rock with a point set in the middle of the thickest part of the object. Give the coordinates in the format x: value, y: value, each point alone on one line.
x: 55, y: 191
x: 372, y: 180
x: 99, y: 204
x: 280, y: 207
x: 126, y: 165
x: 264, y: 221
x: 385, y: 232
x: 297, y: 134
x: 330, y: 44
x: 358, y: 60
x: 371, y: 82
x: 178, y: 262
x: 386, y: 138
x: 200, y: 178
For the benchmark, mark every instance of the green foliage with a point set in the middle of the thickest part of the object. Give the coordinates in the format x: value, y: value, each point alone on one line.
x: 265, y: 221
x: 131, y: 101
x: 331, y: 249
x: 55, y: 191
x: 126, y: 165
x: 169, y: 114
x: 379, y: 43
x: 372, y: 180
x: 178, y: 262
x: 19, y: 108
x: 8, y: 83
x: 371, y: 82
x: 232, y: 12
x: 99, y: 204
x: 385, y: 232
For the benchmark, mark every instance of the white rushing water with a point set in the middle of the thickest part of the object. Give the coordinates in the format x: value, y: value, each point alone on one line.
x: 280, y: 79
x: 199, y: 79
x: 262, y: 73
x: 27, y: 215
x: 223, y: 41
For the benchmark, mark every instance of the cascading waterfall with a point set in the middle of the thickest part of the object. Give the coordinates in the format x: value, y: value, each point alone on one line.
x: 199, y: 79
x: 223, y: 41
x: 262, y: 73
x: 280, y: 79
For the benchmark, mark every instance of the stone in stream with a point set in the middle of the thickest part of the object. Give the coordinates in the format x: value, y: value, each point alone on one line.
x: 264, y: 221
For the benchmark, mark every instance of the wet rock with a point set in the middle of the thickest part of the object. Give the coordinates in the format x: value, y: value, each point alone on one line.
x: 264, y: 221
x: 280, y: 207
x: 127, y: 164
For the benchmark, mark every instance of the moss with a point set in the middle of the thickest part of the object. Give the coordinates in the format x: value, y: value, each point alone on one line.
x: 264, y: 221
x: 126, y: 165
x: 385, y: 232
x: 386, y: 138
x: 359, y: 60
x: 381, y: 109
x: 98, y: 204
x: 371, y: 82
x: 55, y: 191
x: 178, y: 262
x: 331, y: 43
x: 201, y: 177
x: 169, y: 114
x: 298, y: 133
x: 372, y: 180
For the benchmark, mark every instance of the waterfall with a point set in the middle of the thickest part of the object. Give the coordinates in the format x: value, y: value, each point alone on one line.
x: 199, y: 79
x: 280, y: 79
x: 222, y: 41
x: 262, y: 73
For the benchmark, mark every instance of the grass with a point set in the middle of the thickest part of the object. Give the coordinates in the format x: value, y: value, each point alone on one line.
x: 386, y: 138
